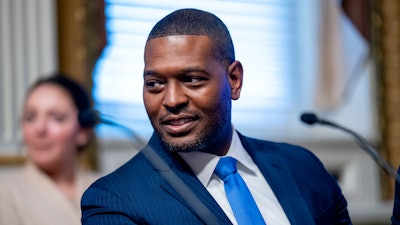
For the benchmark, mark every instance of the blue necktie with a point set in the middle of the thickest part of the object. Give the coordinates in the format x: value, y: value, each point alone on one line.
x: 242, y: 202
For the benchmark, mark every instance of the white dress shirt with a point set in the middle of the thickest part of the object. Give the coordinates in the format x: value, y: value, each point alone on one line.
x: 203, y: 165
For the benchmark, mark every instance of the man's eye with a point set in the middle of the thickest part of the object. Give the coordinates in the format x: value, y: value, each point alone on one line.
x: 193, y: 80
x: 154, y: 85
x: 151, y: 83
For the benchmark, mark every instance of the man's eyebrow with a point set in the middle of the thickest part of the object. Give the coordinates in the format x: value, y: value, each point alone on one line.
x: 182, y: 72
x: 150, y: 72
x: 194, y: 69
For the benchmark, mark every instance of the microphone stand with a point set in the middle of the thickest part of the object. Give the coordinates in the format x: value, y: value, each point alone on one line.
x: 364, y: 144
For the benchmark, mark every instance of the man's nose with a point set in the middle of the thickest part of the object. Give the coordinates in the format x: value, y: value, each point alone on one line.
x: 175, y: 97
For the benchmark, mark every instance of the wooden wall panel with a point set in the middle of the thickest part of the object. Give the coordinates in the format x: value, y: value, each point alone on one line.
x: 81, y: 39
x: 386, y: 48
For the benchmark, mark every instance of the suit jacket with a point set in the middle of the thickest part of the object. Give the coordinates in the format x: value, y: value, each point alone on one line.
x: 145, y: 190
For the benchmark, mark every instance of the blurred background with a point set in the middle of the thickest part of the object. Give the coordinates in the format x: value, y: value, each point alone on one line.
x: 339, y: 59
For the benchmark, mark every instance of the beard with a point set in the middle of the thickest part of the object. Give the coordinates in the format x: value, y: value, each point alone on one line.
x: 192, y: 146
x: 204, y: 139
x: 217, y: 128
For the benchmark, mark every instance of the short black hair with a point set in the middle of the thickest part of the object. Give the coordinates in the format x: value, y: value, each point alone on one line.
x: 77, y: 92
x: 198, y: 22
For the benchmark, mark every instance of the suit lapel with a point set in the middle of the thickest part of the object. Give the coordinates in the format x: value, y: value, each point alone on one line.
x: 207, y: 201
x: 180, y: 182
x: 279, y: 177
x: 274, y: 169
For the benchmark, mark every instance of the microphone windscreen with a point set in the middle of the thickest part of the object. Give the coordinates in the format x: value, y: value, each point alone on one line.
x: 89, y: 118
x: 309, y: 118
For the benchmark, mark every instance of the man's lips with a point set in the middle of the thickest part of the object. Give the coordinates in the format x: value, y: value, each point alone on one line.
x: 178, y: 124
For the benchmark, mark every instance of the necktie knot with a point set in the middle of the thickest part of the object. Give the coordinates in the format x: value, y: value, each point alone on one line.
x: 225, y: 167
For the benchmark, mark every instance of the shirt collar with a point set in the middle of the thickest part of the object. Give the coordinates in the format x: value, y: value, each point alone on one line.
x: 203, y: 164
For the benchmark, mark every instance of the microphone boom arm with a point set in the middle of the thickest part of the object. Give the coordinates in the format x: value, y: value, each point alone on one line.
x: 311, y: 118
x: 364, y: 144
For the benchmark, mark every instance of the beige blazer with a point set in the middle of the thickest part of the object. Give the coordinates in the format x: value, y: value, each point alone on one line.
x: 29, y: 197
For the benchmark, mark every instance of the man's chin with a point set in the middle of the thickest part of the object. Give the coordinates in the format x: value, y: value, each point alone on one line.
x: 184, y: 145
x: 185, y: 142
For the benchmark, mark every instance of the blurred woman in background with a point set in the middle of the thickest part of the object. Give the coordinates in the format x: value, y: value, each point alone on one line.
x: 57, y: 124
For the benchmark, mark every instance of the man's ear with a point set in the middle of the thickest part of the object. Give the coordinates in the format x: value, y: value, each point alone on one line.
x: 235, y: 71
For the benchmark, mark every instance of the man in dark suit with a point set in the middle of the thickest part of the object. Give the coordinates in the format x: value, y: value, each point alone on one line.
x: 190, y: 78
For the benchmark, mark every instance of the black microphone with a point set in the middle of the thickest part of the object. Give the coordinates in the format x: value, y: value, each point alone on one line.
x: 89, y: 118
x: 311, y: 119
